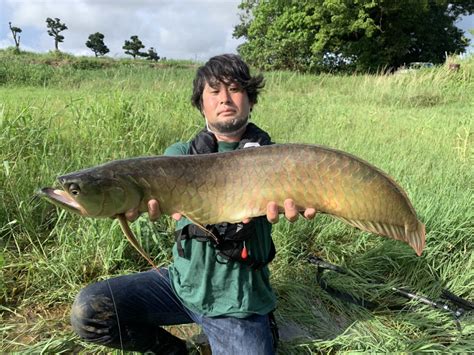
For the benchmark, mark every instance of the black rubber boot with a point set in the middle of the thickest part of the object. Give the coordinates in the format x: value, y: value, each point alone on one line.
x: 167, y: 344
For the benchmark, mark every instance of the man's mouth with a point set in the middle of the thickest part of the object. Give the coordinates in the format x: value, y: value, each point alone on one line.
x: 226, y: 112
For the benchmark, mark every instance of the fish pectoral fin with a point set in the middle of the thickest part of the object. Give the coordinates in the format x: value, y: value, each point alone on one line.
x: 132, y: 239
x: 204, y: 229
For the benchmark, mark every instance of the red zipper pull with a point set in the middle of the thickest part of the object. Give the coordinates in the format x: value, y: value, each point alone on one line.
x: 244, y: 254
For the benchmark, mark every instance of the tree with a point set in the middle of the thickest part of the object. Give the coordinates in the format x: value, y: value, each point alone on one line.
x: 15, y: 32
x: 152, y: 55
x: 133, y: 47
x: 97, y: 45
x: 313, y: 35
x: 55, y: 27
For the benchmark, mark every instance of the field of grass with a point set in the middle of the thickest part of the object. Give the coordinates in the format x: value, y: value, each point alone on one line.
x: 59, y: 114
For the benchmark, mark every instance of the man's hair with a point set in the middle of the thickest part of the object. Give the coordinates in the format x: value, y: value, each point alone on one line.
x: 226, y: 68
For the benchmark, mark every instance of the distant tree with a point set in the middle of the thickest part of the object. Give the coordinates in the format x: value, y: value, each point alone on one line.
x: 365, y: 35
x: 133, y: 47
x: 15, y: 32
x: 152, y: 55
x: 55, y: 27
x: 97, y: 45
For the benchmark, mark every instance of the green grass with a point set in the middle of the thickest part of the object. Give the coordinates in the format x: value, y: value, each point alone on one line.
x: 59, y: 113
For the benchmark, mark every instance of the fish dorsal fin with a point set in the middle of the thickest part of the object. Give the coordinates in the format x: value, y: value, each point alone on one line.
x: 132, y: 239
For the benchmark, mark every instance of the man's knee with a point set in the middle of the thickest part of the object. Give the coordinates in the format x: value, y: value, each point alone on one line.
x: 93, y: 316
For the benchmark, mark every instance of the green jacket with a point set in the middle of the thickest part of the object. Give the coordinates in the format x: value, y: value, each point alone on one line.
x: 212, y: 289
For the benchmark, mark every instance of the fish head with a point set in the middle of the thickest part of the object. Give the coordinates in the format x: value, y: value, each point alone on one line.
x: 94, y: 194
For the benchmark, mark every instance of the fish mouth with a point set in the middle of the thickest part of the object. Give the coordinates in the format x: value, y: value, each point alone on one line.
x: 61, y: 198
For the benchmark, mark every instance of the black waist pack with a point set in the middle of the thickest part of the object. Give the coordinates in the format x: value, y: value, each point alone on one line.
x: 229, y: 240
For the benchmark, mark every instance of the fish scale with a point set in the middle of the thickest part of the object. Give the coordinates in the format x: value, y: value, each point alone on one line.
x: 231, y: 186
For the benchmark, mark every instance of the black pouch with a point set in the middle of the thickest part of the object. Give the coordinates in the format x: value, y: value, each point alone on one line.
x: 228, y: 239
x: 232, y: 237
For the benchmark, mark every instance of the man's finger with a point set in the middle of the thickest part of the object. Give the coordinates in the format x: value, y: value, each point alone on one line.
x: 153, y: 210
x: 309, y: 213
x: 131, y: 215
x: 176, y: 216
x: 291, y: 213
x: 272, y: 212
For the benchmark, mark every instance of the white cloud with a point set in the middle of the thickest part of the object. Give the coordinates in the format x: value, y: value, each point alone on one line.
x: 177, y: 29
x: 6, y: 43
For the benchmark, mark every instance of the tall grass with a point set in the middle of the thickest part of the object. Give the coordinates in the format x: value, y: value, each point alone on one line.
x: 62, y: 114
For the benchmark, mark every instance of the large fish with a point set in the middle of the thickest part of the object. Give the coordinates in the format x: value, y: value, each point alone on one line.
x: 228, y: 187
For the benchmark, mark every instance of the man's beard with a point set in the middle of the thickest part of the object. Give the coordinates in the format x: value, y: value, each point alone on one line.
x: 229, y: 128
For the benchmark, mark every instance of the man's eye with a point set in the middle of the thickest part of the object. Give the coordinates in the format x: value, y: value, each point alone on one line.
x: 234, y: 89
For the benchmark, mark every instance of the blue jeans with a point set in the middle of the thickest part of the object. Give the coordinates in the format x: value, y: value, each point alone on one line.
x: 126, y: 313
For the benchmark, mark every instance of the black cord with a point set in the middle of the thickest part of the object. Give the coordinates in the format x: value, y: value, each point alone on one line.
x: 462, y: 305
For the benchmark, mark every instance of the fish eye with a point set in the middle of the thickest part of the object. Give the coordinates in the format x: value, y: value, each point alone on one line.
x: 74, y: 189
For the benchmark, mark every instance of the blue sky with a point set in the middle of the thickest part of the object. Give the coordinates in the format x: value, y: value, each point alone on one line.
x: 179, y: 29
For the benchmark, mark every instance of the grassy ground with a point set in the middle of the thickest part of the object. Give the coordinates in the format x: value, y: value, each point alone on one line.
x: 60, y: 113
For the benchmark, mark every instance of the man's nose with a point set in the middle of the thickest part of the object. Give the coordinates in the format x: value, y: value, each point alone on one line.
x: 224, y: 96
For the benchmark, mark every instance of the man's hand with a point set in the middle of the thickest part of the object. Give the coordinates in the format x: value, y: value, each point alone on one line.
x: 153, y: 212
x: 291, y: 213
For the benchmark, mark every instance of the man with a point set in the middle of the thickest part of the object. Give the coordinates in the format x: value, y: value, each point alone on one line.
x: 223, y: 287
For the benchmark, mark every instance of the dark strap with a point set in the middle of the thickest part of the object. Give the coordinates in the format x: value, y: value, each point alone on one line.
x: 190, y: 231
x: 231, y: 251
x: 229, y: 247
x: 205, y: 142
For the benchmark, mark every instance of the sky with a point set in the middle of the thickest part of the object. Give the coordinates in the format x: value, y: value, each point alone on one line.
x: 177, y: 29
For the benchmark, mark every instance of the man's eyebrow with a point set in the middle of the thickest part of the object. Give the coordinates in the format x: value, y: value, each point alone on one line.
x: 214, y: 82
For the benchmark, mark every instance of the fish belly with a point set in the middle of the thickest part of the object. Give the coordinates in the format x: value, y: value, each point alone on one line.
x: 228, y: 187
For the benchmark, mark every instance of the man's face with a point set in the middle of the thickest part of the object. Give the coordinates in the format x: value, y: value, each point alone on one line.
x: 226, y: 107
